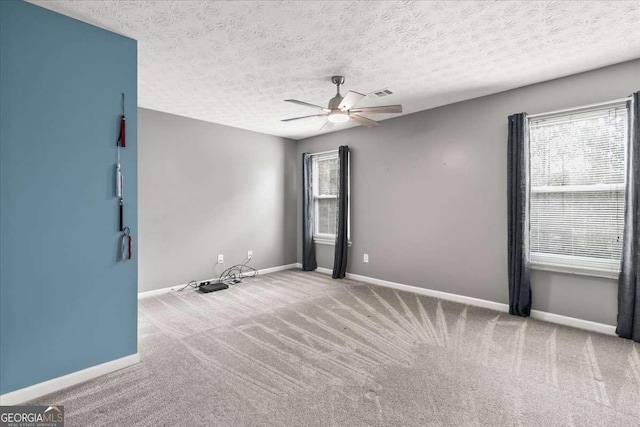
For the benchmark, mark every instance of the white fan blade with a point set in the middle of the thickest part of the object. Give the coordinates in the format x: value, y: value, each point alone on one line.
x: 304, y: 117
x: 364, y: 121
x: 350, y: 99
x: 328, y: 125
x: 306, y: 104
x: 378, y: 110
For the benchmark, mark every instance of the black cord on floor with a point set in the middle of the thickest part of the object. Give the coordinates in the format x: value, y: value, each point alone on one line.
x: 193, y: 283
x: 233, y: 274
x: 237, y: 272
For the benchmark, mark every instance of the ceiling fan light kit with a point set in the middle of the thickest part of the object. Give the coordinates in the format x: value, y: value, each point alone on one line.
x: 340, y: 109
x: 338, y: 117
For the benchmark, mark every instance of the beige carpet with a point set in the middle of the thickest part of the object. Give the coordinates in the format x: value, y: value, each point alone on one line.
x: 300, y: 349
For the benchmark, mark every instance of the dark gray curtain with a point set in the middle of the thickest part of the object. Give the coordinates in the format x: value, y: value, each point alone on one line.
x: 340, y: 257
x: 308, y: 247
x: 518, y: 205
x: 628, y: 285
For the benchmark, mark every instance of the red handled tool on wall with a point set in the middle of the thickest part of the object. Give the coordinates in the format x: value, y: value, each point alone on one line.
x: 122, y: 138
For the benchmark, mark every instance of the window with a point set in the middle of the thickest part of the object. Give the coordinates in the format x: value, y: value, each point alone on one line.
x: 577, y: 191
x: 326, y: 170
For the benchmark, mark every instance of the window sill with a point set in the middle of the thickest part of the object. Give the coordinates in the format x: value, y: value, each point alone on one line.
x: 570, y: 264
x: 569, y: 269
x: 327, y: 241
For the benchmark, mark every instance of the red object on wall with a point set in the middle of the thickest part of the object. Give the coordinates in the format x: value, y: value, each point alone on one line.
x: 122, y: 139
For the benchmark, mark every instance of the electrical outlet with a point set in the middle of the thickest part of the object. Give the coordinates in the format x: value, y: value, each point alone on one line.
x: 250, y: 254
x: 365, y: 258
x: 220, y: 259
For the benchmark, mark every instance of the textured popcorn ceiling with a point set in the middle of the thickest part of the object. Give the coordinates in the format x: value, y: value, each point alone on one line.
x: 235, y: 62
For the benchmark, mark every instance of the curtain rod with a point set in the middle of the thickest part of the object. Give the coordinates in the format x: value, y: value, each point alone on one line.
x: 323, y: 152
x: 581, y: 107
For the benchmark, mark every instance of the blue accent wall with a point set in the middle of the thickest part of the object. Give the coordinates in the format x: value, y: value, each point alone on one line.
x: 66, y: 302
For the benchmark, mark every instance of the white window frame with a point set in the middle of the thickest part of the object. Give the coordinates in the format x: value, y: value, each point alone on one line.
x: 586, y: 266
x: 324, y: 238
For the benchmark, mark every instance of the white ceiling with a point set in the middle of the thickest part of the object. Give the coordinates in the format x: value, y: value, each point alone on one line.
x: 235, y: 62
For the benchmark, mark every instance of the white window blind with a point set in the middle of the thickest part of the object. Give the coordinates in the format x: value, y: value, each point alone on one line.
x: 577, y: 189
x: 325, y: 193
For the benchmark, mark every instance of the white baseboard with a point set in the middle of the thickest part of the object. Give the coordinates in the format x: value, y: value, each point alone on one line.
x: 56, y: 384
x: 588, y: 325
x: 156, y: 292
x: 279, y: 268
x: 477, y: 302
x: 326, y: 271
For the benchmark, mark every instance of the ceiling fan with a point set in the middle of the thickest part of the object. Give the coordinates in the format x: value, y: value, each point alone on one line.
x: 341, y: 109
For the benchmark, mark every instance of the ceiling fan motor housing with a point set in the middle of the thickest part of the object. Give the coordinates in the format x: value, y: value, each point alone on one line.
x: 334, y: 102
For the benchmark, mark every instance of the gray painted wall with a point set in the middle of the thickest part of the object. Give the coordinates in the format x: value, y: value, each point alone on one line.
x: 429, y: 196
x: 207, y: 189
